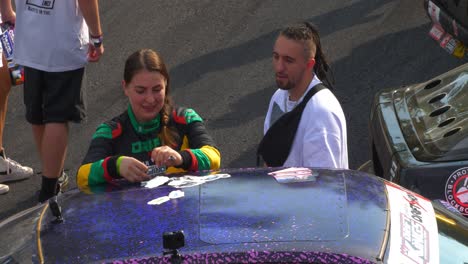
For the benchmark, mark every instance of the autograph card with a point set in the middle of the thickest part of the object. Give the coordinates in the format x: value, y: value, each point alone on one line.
x: 294, y: 175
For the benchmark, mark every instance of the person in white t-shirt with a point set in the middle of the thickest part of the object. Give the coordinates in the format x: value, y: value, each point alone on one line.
x: 54, y: 40
x: 299, y: 65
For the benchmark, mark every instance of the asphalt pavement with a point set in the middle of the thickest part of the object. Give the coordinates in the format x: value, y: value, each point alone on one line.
x: 219, y: 55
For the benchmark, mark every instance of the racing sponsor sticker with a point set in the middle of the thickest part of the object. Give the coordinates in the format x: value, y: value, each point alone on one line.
x: 393, y: 170
x: 455, y: 28
x: 448, y: 43
x: 456, y: 190
x: 436, y: 32
x: 434, y: 11
x: 452, y: 46
x: 413, y: 227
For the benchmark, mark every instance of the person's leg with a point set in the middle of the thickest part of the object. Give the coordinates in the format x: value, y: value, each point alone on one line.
x: 54, y: 149
x: 5, y: 86
x: 10, y: 170
x: 33, y: 101
x: 38, y: 133
x: 53, y: 152
x: 63, y: 103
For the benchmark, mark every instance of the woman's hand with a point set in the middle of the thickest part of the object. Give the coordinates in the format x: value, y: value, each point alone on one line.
x: 166, y: 156
x: 133, y: 170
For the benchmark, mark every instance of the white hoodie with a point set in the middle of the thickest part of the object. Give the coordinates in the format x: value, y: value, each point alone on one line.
x: 321, y: 138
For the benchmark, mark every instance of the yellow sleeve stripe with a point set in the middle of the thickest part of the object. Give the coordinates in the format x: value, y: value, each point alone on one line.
x: 82, y: 176
x: 213, y: 155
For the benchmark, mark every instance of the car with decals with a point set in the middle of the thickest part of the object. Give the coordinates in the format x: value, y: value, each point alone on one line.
x: 250, y: 215
x: 449, y: 24
x: 419, y: 137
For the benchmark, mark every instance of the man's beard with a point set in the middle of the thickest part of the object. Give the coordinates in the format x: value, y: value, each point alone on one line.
x: 285, y: 86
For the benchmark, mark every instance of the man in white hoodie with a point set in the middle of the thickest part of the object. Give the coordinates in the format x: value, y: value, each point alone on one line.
x: 299, y: 63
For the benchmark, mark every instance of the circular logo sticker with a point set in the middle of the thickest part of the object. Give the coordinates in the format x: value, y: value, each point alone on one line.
x: 456, y: 190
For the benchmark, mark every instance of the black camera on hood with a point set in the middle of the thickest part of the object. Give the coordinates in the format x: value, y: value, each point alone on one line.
x: 173, y: 240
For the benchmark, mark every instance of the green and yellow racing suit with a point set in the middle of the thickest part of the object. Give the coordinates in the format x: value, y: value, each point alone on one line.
x: 124, y: 136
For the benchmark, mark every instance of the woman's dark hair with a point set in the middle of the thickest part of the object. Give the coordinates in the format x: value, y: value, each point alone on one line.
x: 308, y: 34
x: 150, y: 60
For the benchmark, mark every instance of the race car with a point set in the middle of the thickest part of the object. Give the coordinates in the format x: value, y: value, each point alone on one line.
x: 419, y: 137
x: 250, y: 215
x: 449, y: 24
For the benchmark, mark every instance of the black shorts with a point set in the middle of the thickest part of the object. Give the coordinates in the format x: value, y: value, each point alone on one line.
x: 54, y: 97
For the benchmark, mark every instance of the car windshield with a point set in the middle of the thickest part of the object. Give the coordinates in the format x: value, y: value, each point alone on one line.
x: 17, y: 239
x: 453, y: 231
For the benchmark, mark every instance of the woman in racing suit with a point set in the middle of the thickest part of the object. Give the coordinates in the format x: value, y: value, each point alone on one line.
x: 150, y: 132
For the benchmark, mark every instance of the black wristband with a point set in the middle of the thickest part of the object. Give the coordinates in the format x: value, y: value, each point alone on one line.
x: 112, y: 167
x: 96, y: 41
x: 186, y: 160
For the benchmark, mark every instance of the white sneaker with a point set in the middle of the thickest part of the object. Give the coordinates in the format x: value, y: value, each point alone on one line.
x: 4, y: 188
x: 11, y: 170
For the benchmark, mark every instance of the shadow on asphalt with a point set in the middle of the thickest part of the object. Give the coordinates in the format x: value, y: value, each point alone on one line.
x: 254, y: 50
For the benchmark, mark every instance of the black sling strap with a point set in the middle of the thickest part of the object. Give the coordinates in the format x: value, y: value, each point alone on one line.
x: 277, y: 142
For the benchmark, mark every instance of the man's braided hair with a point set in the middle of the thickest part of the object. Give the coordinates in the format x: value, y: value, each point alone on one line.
x: 308, y: 34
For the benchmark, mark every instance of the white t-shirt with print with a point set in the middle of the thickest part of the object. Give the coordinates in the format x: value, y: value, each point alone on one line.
x: 50, y: 36
x: 321, y: 138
